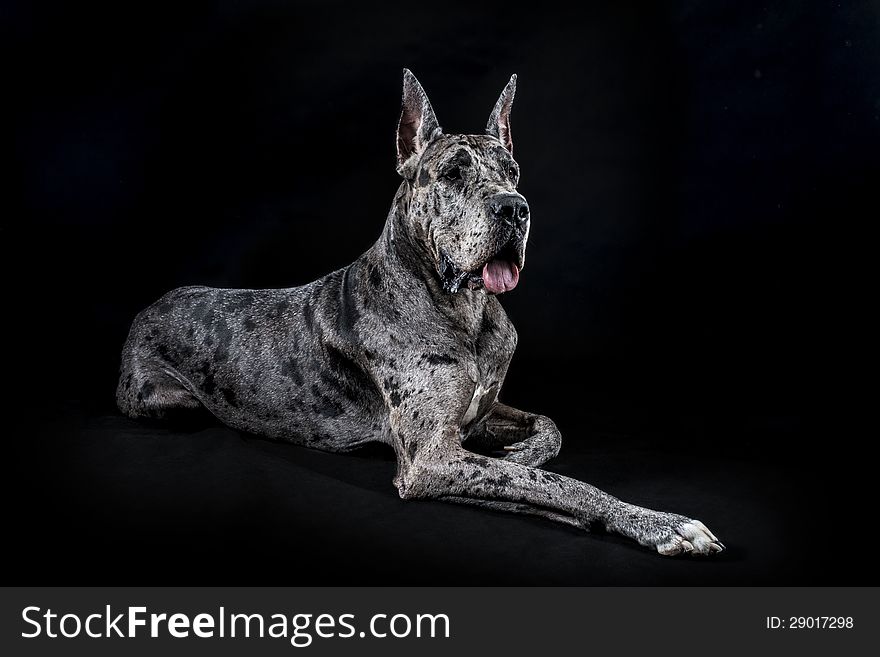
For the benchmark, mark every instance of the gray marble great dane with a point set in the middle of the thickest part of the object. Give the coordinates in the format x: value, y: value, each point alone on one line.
x: 408, y: 345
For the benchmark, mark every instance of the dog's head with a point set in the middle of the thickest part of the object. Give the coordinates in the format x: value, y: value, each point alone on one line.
x: 463, y: 198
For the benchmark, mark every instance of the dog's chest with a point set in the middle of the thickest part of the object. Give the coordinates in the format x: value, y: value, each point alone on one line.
x: 488, y: 367
x: 493, y: 349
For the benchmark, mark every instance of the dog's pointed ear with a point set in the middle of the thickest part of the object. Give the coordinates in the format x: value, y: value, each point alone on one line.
x: 499, y: 119
x: 418, y: 123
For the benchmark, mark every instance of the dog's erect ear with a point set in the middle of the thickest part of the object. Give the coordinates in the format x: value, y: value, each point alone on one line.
x: 499, y: 120
x: 418, y: 124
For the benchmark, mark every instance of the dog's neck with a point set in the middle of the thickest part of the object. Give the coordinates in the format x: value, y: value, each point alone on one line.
x: 406, y: 260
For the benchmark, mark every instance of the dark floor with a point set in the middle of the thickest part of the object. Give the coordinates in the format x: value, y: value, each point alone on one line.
x: 108, y: 500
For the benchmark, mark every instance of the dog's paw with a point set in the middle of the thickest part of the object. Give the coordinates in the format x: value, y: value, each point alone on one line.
x: 526, y: 453
x: 670, y: 534
x: 690, y: 537
x: 541, y: 446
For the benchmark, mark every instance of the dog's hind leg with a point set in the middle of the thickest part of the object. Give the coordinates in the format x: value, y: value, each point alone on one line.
x: 147, y: 390
x: 521, y: 437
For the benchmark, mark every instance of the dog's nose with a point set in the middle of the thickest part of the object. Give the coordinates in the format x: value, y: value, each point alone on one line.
x: 509, y: 208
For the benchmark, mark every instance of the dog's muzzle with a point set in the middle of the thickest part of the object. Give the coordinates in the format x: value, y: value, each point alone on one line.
x: 498, y: 274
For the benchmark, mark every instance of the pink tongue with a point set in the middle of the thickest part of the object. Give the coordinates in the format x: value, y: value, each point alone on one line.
x: 500, y: 276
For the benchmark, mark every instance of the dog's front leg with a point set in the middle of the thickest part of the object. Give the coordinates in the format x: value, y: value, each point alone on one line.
x: 439, y: 468
x: 525, y: 438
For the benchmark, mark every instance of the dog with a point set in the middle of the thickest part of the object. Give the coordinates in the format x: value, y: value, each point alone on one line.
x: 408, y: 346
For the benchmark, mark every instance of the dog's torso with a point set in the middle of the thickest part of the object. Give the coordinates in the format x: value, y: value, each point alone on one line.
x: 327, y: 363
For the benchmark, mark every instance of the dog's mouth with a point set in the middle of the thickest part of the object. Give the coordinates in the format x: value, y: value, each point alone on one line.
x: 499, y: 274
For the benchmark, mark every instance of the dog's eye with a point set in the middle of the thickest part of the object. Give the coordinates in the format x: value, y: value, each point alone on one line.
x: 512, y: 171
x: 452, y: 174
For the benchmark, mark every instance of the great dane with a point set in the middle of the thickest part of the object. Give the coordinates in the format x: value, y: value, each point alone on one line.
x: 408, y: 345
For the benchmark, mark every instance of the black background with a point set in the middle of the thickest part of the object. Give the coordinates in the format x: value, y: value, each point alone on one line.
x: 699, y: 174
